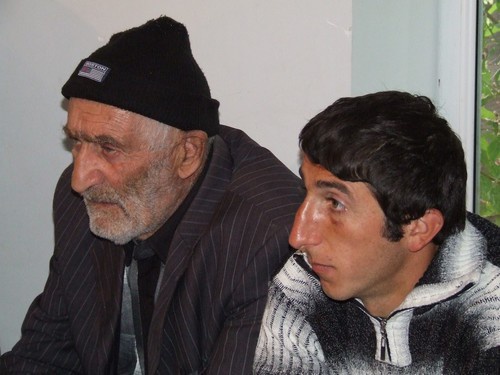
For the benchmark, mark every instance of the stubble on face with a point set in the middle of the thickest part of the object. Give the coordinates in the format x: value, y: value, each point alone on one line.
x: 137, y: 209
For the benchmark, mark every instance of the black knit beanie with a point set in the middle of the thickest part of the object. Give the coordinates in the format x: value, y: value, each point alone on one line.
x: 149, y: 70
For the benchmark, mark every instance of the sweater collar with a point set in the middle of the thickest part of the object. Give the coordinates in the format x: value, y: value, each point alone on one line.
x: 456, y: 266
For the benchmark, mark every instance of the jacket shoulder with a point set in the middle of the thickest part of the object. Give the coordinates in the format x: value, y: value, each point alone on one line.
x: 258, y: 175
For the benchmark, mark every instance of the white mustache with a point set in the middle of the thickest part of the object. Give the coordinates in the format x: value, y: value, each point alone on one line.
x: 100, y: 195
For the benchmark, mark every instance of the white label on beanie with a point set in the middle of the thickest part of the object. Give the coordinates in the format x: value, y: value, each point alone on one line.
x: 94, y: 71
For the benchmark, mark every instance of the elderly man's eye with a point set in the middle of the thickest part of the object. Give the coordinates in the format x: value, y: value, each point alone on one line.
x: 108, y: 148
x: 74, y: 144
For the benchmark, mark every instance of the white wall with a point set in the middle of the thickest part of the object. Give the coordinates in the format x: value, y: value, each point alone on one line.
x: 394, y: 46
x: 271, y: 64
x: 426, y: 47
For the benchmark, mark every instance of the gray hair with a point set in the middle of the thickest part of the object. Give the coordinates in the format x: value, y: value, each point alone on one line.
x: 160, y: 136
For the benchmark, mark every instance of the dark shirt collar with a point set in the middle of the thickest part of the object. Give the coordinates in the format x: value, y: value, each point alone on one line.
x: 161, y: 239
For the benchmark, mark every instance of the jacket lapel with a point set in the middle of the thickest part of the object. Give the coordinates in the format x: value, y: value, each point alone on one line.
x: 194, y: 223
x: 109, y: 264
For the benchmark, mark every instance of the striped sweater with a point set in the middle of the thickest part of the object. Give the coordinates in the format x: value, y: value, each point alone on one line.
x: 449, y: 323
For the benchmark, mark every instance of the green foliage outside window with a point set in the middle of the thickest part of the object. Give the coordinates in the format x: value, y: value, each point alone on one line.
x: 489, y: 196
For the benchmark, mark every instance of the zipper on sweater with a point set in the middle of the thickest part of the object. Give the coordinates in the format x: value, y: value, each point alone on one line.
x: 385, y: 351
x: 384, y: 344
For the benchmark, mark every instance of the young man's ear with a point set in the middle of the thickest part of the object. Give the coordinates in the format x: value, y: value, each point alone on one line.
x: 192, y: 154
x: 421, y: 231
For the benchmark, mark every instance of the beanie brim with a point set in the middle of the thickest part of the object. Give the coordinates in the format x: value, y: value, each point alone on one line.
x: 180, y: 110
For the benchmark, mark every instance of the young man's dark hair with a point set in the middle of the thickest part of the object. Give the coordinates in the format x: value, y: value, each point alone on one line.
x: 385, y: 142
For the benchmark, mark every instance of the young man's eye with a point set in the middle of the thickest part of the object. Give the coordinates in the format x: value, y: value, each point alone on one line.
x: 336, y: 205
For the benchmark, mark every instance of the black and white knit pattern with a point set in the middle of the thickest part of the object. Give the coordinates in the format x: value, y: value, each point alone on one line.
x: 450, y: 322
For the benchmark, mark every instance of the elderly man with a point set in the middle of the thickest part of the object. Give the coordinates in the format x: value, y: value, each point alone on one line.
x: 168, y: 226
x: 390, y: 276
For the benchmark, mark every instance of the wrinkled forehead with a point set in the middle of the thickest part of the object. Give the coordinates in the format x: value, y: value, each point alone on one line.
x: 95, y: 110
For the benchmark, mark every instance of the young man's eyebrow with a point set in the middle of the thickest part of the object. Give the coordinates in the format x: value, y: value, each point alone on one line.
x: 326, y: 184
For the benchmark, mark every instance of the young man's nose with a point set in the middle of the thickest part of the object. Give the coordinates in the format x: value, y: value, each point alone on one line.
x: 304, y: 232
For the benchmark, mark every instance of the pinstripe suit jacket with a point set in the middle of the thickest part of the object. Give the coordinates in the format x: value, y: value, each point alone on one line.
x: 229, y: 244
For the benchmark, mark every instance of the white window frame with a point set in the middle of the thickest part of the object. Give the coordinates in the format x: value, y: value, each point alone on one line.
x: 457, y: 78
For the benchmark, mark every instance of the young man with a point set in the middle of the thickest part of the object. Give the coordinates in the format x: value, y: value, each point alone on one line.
x: 389, y: 276
x: 168, y: 226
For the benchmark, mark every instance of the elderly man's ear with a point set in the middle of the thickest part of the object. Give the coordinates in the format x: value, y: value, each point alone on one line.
x: 191, y: 153
x: 420, y: 232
